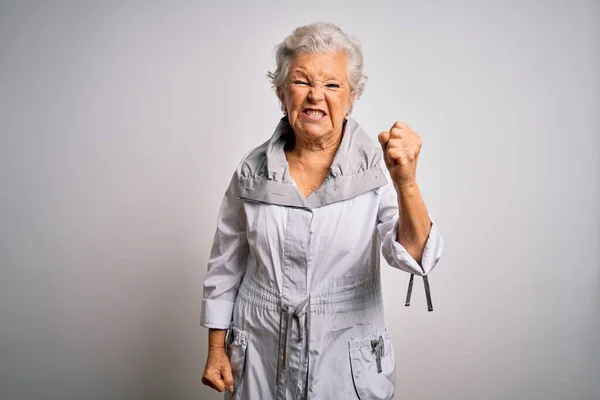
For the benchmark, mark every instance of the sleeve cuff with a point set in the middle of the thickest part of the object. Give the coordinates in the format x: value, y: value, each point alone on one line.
x: 431, y: 252
x: 216, y: 314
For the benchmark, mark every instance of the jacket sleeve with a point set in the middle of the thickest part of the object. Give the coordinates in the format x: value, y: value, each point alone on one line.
x: 393, y: 252
x: 227, y: 262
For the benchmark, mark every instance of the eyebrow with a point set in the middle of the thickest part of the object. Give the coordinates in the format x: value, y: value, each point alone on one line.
x: 303, y: 71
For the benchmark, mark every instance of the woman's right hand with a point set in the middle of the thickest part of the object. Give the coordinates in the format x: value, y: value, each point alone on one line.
x: 217, y: 372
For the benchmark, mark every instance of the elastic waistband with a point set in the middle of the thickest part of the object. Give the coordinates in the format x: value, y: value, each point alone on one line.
x: 362, y: 295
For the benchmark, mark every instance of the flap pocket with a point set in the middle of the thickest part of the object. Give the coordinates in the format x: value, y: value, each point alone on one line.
x: 373, y: 367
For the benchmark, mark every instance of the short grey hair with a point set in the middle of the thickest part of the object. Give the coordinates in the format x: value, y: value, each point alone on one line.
x: 319, y: 37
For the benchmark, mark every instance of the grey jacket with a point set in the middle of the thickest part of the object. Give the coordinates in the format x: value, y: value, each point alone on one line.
x: 297, y: 281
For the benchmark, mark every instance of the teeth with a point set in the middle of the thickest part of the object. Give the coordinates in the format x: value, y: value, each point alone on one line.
x: 314, y: 113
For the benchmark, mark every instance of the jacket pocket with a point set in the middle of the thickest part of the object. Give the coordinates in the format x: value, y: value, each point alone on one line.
x: 373, y: 367
x: 237, y: 344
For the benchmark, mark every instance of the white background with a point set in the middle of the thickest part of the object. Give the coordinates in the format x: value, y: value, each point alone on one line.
x: 121, y: 123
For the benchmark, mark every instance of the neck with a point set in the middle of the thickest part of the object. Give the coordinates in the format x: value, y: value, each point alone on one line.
x: 322, y: 148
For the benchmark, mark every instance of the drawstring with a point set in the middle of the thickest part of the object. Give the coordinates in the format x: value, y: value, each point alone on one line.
x: 377, y: 346
x: 427, y: 291
x: 409, y: 291
x: 298, y: 312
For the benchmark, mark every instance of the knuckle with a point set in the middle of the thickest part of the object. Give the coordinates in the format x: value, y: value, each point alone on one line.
x: 395, y: 143
x: 395, y: 153
x: 396, y: 132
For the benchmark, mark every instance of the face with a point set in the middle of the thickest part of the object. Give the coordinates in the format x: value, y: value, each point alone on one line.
x: 317, y: 95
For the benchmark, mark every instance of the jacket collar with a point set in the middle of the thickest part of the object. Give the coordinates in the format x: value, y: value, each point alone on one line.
x: 357, y: 167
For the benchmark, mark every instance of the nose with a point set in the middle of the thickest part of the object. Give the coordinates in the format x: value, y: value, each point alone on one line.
x: 316, y: 93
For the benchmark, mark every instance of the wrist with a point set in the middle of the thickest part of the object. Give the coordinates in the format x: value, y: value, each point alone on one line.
x: 406, y: 187
x: 216, y: 339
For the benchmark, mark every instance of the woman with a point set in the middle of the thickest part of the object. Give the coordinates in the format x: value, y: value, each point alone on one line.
x: 292, y: 296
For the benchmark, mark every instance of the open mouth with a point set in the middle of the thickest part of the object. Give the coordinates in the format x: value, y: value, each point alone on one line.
x: 314, y: 114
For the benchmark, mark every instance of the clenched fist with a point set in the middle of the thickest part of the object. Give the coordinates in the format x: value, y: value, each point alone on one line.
x: 401, y: 147
x: 217, y: 372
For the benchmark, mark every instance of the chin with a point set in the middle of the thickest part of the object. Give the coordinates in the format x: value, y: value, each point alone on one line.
x: 315, y: 131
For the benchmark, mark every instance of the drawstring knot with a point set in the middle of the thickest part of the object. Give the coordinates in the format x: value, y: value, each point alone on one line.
x: 302, y: 314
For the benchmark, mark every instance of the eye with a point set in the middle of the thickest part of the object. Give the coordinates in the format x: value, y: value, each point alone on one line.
x: 299, y: 82
x: 332, y: 86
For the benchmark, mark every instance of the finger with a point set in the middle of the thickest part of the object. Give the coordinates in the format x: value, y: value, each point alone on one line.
x: 217, y: 381
x: 219, y: 384
x: 208, y: 383
x: 227, y: 377
x: 396, y: 155
x: 396, y: 142
x: 400, y: 125
x: 395, y: 148
x: 410, y: 147
x: 383, y: 138
x: 400, y: 132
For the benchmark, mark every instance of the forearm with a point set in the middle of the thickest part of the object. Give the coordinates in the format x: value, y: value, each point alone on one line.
x: 415, y: 224
x: 216, y: 339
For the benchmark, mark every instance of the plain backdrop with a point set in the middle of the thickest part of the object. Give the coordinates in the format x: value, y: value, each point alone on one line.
x: 121, y: 123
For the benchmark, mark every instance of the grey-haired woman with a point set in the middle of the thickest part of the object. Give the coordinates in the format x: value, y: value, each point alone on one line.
x: 292, y: 296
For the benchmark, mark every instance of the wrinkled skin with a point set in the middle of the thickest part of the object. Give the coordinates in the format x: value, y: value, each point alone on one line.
x: 217, y: 371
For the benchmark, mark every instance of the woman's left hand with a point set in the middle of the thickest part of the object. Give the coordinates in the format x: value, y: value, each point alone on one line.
x: 401, y: 147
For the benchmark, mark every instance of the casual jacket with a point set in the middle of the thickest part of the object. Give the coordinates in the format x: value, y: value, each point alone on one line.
x: 296, y: 280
